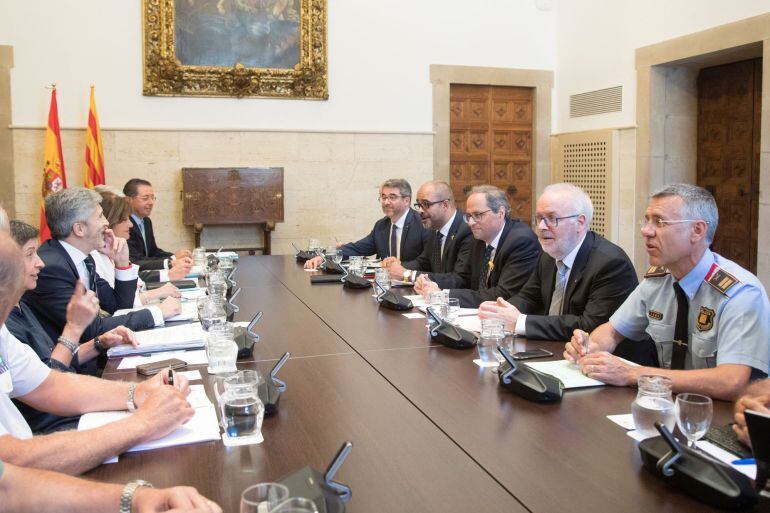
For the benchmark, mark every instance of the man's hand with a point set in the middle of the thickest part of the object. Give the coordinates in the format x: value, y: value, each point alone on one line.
x: 179, y: 271
x: 118, y: 336
x: 82, y: 309
x: 178, y: 499
x: 170, y: 307
x: 148, y: 386
x: 162, y: 411
x: 395, y: 270
x: 609, y: 369
x: 167, y: 290
x: 579, y: 346
x: 183, y: 261
x: 116, y: 248
x: 314, y: 262
x: 758, y: 403
x: 388, y: 261
x: 182, y: 253
x: 500, y: 309
x: 425, y: 286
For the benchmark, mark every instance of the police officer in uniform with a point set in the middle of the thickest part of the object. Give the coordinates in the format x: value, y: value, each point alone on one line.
x: 709, y: 317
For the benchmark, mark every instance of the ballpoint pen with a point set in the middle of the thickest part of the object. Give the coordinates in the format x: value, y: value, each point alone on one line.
x: 171, y: 377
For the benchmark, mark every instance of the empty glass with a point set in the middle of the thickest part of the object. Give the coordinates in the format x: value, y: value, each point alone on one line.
x: 439, y: 303
x: 263, y: 497
x: 314, y: 246
x: 211, y: 311
x: 653, y: 404
x: 693, y: 416
x: 336, y: 256
x: 453, y: 309
x: 381, y: 276
x: 491, y: 336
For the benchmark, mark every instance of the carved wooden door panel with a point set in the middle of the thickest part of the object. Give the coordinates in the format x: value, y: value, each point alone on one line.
x: 729, y: 103
x: 491, y: 142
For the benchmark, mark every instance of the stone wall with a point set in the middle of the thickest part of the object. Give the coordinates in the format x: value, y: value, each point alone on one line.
x: 330, y: 179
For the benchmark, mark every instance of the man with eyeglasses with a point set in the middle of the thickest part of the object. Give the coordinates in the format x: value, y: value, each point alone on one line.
x: 399, y: 234
x: 143, y: 250
x: 503, y: 255
x: 709, y: 317
x: 580, y: 279
x: 448, y: 248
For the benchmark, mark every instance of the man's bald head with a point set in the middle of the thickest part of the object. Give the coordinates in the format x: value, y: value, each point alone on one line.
x: 436, y: 204
x: 11, y: 274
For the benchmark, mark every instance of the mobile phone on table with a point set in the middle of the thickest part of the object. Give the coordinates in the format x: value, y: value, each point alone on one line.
x: 148, y: 369
x: 535, y: 353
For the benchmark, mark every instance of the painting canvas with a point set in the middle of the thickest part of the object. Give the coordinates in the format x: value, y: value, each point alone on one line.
x: 241, y: 48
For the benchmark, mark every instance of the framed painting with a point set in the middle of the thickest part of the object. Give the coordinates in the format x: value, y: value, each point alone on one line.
x: 238, y: 48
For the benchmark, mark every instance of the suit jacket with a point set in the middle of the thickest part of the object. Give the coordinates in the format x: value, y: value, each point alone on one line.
x: 150, y: 258
x: 456, y: 254
x: 55, y: 285
x: 515, y: 257
x: 600, y: 280
x: 413, y: 238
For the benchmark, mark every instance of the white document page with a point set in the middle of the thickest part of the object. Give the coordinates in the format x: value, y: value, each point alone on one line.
x: 184, y: 336
x: 417, y: 300
x: 192, y: 294
x: 568, y: 372
x: 197, y: 357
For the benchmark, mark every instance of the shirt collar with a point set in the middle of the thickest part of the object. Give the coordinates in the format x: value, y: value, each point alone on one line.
x: 569, y: 260
x: 400, y: 223
x: 445, y: 229
x: 75, y: 254
x: 496, y: 241
x: 139, y: 220
x: 692, y: 280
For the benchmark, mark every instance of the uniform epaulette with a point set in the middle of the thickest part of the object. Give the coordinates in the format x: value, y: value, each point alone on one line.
x: 720, y: 279
x: 656, y: 271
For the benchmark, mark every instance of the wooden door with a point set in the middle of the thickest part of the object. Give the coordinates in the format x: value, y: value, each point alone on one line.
x: 490, y: 142
x: 729, y: 103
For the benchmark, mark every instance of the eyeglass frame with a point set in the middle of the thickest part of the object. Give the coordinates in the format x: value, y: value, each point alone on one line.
x: 390, y: 197
x: 146, y: 197
x: 661, y: 223
x: 537, y: 219
x: 477, y: 217
x: 425, y: 205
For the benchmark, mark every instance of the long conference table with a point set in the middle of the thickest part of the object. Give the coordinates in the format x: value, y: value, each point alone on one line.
x: 432, y: 432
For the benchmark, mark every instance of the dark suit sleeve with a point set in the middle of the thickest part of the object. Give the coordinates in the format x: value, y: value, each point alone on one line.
x: 609, y: 286
x: 461, y: 266
x: 147, y: 263
x: 137, y: 321
x: 422, y: 262
x: 149, y: 276
x: 529, y: 299
x: 122, y: 296
x: 363, y: 247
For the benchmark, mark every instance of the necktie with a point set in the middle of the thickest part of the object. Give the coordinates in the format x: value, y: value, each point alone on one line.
x: 681, y: 329
x: 559, y: 288
x: 394, y: 240
x: 435, y: 258
x: 484, y: 276
x: 91, y: 268
x: 144, y: 237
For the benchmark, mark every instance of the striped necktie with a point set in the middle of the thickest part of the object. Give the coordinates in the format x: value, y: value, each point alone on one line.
x: 558, y: 289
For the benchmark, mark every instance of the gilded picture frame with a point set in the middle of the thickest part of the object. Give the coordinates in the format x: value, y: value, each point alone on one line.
x: 235, y: 48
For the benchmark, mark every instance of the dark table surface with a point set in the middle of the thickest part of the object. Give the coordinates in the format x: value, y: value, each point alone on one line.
x: 431, y: 430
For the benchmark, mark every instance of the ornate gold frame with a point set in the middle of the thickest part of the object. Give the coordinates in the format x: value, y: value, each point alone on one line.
x: 165, y: 75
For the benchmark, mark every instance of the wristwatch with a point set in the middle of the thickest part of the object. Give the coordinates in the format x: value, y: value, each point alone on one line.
x: 128, y: 494
x: 99, y: 346
x: 73, y: 347
x: 131, y: 406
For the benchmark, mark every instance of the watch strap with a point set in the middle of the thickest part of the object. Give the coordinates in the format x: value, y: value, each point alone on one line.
x: 72, y: 346
x: 99, y: 346
x: 127, y: 496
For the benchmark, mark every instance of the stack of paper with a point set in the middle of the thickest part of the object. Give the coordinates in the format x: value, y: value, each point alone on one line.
x: 174, y: 338
x: 202, y: 427
x: 194, y: 357
x: 189, y: 311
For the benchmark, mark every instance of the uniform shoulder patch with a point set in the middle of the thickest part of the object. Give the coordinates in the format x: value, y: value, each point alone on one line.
x: 720, y: 279
x: 656, y: 271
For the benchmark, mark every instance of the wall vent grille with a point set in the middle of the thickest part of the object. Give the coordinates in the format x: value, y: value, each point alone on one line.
x: 600, y: 101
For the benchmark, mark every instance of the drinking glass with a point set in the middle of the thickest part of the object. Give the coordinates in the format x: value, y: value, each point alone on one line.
x: 653, y: 404
x: 314, y: 245
x: 491, y: 336
x: 263, y: 497
x: 296, y: 505
x: 226, y: 263
x: 199, y: 257
x: 693, y: 416
x: 221, y: 353
x: 438, y: 301
x: 453, y: 309
x: 382, y: 276
x: 240, y: 407
x: 337, y: 256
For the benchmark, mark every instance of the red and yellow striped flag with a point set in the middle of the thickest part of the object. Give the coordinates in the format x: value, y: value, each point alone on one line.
x: 94, y: 150
x: 54, y: 178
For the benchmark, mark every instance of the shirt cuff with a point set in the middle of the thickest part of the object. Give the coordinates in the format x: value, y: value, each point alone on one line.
x: 165, y: 263
x: 127, y: 274
x: 163, y: 275
x: 157, y: 315
x: 521, y: 325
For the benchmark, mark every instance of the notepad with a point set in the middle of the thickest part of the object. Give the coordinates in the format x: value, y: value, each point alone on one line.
x: 184, y: 336
x: 196, y: 357
x: 569, y: 373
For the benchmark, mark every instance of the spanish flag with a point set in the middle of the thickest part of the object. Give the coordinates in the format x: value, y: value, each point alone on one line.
x: 94, y: 150
x: 54, y: 178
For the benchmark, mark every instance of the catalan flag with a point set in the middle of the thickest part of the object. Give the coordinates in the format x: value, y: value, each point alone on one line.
x: 54, y: 178
x: 94, y: 150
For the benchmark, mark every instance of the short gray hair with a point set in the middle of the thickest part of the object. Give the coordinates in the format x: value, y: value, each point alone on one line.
x: 496, y: 198
x: 579, y: 200
x: 404, y: 189
x: 698, y: 203
x: 69, y: 206
x: 4, y: 223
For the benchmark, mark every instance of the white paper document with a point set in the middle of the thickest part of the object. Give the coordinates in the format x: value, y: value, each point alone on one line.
x: 184, y: 336
x: 413, y: 315
x: 470, y: 323
x: 193, y: 375
x: 569, y: 373
x: 189, y: 312
x: 417, y: 300
x: 192, y: 294
x: 625, y: 420
x: 727, y: 457
x: 196, y: 357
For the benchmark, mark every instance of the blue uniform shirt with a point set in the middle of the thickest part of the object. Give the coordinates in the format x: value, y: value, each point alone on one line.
x: 729, y: 315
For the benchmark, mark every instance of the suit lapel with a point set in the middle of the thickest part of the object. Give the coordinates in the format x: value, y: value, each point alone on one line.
x: 449, y: 244
x: 138, y: 232
x: 498, y: 250
x: 56, y: 245
x: 577, y: 267
x: 404, y: 231
x: 548, y: 279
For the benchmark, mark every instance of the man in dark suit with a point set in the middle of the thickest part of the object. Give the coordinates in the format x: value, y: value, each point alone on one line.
x: 503, y: 256
x: 78, y: 227
x: 143, y: 250
x: 580, y: 279
x: 399, y: 234
x: 448, y: 249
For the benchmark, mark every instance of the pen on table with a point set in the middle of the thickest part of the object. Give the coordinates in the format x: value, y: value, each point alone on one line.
x: 171, y: 377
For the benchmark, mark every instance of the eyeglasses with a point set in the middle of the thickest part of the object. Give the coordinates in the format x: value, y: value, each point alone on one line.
x: 476, y: 217
x: 147, y: 198
x: 389, y: 197
x: 550, y: 221
x: 657, y: 222
x: 425, y: 205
